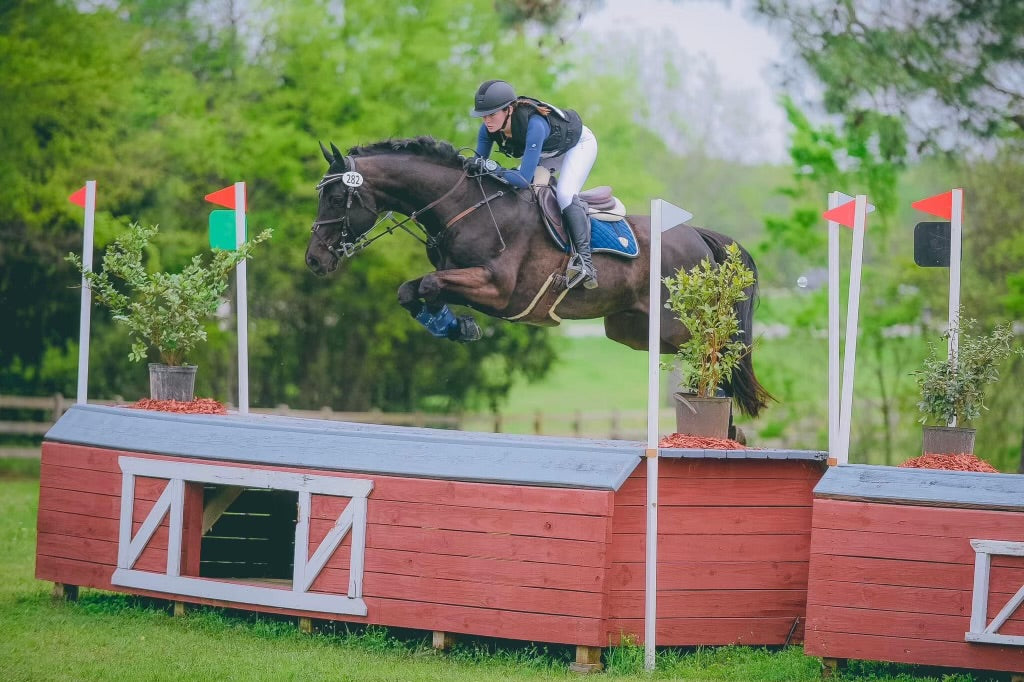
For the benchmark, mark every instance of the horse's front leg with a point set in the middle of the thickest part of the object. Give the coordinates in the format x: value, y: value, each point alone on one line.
x: 424, y: 299
x: 478, y: 285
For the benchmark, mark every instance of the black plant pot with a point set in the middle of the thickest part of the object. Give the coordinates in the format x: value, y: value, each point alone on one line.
x: 169, y: 382
x: 702, y: 416
x: 946, y: 440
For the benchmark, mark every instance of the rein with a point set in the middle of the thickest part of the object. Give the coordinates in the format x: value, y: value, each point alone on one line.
x: 353, y: 180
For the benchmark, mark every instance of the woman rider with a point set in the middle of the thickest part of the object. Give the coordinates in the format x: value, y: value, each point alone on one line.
x: 528, y: 129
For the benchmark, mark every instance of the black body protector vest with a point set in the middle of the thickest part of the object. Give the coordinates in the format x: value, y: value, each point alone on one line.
x: 566, y: 129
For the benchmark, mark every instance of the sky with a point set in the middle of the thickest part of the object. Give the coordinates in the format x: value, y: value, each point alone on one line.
x: 742, y: 52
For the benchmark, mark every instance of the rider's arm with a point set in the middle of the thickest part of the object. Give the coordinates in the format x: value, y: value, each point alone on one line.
x: 483, y: 142
x: 537, y: 130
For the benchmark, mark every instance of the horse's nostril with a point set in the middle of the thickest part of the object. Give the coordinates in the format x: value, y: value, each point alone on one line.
x: 311, y: 261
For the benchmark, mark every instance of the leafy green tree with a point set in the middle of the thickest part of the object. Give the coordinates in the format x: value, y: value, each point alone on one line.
x: 941, y: 68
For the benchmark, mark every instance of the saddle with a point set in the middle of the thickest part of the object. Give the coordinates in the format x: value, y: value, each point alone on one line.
x: 599, y: 201
x: 609, y: 230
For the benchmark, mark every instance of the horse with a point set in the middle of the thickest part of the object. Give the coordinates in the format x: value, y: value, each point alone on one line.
x: 492, y: 252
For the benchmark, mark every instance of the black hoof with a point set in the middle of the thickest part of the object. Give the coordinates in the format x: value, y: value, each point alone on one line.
x: 468, y: 330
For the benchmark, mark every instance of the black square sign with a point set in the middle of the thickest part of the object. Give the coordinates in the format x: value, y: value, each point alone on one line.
x: 931, y: 245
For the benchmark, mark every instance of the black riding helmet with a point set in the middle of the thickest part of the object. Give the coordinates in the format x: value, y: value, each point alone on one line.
x: 492, y: 96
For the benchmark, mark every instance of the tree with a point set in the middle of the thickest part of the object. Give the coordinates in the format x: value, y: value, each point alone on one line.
x: 945, y: 69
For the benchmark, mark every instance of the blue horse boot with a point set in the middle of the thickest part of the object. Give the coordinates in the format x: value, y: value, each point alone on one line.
x: 441, y: 324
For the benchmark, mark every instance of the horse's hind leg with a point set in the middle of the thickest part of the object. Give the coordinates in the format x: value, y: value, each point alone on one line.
x: 630, y: 328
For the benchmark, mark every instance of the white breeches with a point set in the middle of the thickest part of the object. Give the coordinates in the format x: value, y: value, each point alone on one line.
x: 573, y: 167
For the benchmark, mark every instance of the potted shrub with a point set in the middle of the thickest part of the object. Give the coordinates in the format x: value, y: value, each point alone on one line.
x: 953, y: 389
x: 704, y: 300
x: 162, y: 310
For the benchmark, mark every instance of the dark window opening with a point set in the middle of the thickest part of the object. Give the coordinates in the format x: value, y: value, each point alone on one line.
x: 253, y: 538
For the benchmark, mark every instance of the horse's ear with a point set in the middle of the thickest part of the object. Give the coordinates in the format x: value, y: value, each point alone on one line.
x: 327, y: 154
x: 337, y: 152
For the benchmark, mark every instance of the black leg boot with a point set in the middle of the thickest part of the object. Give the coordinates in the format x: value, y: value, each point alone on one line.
x: 581, y: 267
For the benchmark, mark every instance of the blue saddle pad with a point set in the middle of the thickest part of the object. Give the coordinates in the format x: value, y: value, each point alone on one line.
x: 616, y: 238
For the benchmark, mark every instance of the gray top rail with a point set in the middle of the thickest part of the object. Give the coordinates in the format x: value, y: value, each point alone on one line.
x: 362, y: 448
x: 924, y: 487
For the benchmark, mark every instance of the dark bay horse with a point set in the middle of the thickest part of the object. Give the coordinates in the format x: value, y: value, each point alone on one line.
x: 492, y: 252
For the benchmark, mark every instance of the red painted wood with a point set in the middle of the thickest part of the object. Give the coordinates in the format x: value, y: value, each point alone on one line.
x: 927, y: 521
x: 923, y: 600
x: 730, y: 492
x: 629, y: 547
x: 396, y: 613
x: 435, y: 591
x: 954, y: 550
x: 535, y: 524
x: 709, y: 631
x: 711, y: 575
x: 888, y: 623
x: 471, y: 544
x: 910, y: 650
x: 505, y: 555
x: 99, y: 552
x: 74, y: 572
x: 712, y: 603
x: 477, y: 570
x: 80, y: 457
x: 716, y: 520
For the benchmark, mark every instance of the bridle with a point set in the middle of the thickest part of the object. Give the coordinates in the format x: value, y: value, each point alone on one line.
x: 345, y: 246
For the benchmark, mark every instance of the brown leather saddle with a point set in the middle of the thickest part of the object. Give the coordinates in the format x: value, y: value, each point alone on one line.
x: 599, y: 201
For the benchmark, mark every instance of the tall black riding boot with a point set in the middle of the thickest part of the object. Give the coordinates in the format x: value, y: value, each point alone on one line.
x: 581, y: 267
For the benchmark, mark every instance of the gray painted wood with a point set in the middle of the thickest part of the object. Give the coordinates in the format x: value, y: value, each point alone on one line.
x: 925, y: 487
x: 362, y: 448
x: 751, y: 453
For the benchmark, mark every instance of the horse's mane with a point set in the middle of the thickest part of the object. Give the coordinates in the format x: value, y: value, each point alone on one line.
x: 423, y: 146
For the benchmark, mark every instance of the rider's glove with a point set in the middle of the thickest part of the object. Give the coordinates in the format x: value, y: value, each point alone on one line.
x: 479, y: 165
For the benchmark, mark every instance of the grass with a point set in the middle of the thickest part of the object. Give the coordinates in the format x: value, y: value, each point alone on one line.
x: 107, y: 636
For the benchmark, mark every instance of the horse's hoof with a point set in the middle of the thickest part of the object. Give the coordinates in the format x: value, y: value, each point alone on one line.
x: 468, y: 330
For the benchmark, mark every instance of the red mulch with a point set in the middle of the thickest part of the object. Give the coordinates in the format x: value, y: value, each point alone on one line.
x: 954, y: 462
x: 197, y: 406
x: 685, y: 440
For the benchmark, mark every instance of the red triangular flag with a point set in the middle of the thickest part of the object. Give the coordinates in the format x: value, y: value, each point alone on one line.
x: 225, y: 197
x: 78, y: 197
x: 940, y: 205
x: 842, y: 214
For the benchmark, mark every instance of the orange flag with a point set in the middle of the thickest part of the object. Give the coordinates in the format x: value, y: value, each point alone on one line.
x: 225, y: 197
x: 842, y: 214
x: 78, y: 197
x: 940, y: 205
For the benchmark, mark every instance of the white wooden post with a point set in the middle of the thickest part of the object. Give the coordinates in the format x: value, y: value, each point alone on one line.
x: 242, y: 303
x: 852, y: 317
x: 85, y: 314
x: 664, y: 216
x: 833, y: 331
x: 955, y: 244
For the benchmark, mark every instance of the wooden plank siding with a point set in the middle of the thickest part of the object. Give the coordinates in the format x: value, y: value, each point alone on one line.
x: 733, y: 543
x: 517, y: 562
x: 894, y: 582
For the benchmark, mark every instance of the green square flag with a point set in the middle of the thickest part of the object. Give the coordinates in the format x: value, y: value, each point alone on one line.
x: 222, y: 230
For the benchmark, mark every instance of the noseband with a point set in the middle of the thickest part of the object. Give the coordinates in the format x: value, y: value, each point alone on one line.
x: 344, y: 246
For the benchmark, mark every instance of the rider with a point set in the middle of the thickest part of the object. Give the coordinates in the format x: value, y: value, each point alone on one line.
x: 528, y: 129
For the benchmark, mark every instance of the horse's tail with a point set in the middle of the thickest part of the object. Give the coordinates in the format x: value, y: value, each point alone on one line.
x: 748, y: 392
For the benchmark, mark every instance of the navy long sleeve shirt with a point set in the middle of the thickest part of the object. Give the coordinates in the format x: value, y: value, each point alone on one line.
x: 537, y: 130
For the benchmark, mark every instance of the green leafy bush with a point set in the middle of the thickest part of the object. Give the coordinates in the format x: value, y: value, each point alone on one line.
x: 704, y: 301
x: 955, y: 387
x: 162, y: 310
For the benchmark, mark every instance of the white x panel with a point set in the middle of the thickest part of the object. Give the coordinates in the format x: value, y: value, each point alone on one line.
x: 172, y: 502
x: 980, y: 631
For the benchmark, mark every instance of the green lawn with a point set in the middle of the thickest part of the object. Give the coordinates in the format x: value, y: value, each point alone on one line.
x: 113, y: 637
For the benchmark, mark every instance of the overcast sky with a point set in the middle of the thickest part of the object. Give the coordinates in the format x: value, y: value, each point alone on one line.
x: 741, y: 51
